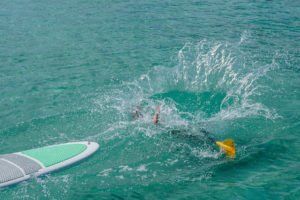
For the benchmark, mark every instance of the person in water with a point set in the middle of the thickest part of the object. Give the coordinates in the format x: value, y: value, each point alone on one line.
x: 137, y: 114
x: 227, y: 145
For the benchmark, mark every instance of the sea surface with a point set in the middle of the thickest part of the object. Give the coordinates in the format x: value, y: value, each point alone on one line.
x: 77, y: 70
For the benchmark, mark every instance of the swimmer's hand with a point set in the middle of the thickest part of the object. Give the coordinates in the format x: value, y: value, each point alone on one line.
x: 156, y: 115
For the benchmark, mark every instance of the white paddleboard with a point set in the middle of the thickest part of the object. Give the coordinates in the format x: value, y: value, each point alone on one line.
x: 20, y: 166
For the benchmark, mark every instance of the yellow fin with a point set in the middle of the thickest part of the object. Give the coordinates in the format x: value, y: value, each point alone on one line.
x: 228, y: 147
x: 229, y: 142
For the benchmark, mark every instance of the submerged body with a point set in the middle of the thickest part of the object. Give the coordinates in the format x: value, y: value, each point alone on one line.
x: 227, y: 145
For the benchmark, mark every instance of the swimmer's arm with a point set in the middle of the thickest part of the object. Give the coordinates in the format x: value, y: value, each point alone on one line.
x: 156, y: 115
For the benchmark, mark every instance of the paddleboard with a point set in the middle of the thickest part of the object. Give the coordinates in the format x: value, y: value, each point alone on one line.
x: 20, y: 166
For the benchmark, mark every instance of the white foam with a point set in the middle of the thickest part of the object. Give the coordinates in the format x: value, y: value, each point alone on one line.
x: 125, y: 168
x: 105, y: 172
x: 142, y: 168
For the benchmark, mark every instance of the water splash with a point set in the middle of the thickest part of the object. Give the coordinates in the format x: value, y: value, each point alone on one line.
x: 211, y: 82
x: 216, y: 67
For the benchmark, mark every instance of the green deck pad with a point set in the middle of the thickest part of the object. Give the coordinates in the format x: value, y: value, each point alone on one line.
x: 52, y: 155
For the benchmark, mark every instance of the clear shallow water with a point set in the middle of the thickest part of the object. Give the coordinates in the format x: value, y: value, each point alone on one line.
x: 75, y: 70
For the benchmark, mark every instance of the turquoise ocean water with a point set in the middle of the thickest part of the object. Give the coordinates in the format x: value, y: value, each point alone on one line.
x: 75, y: 70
